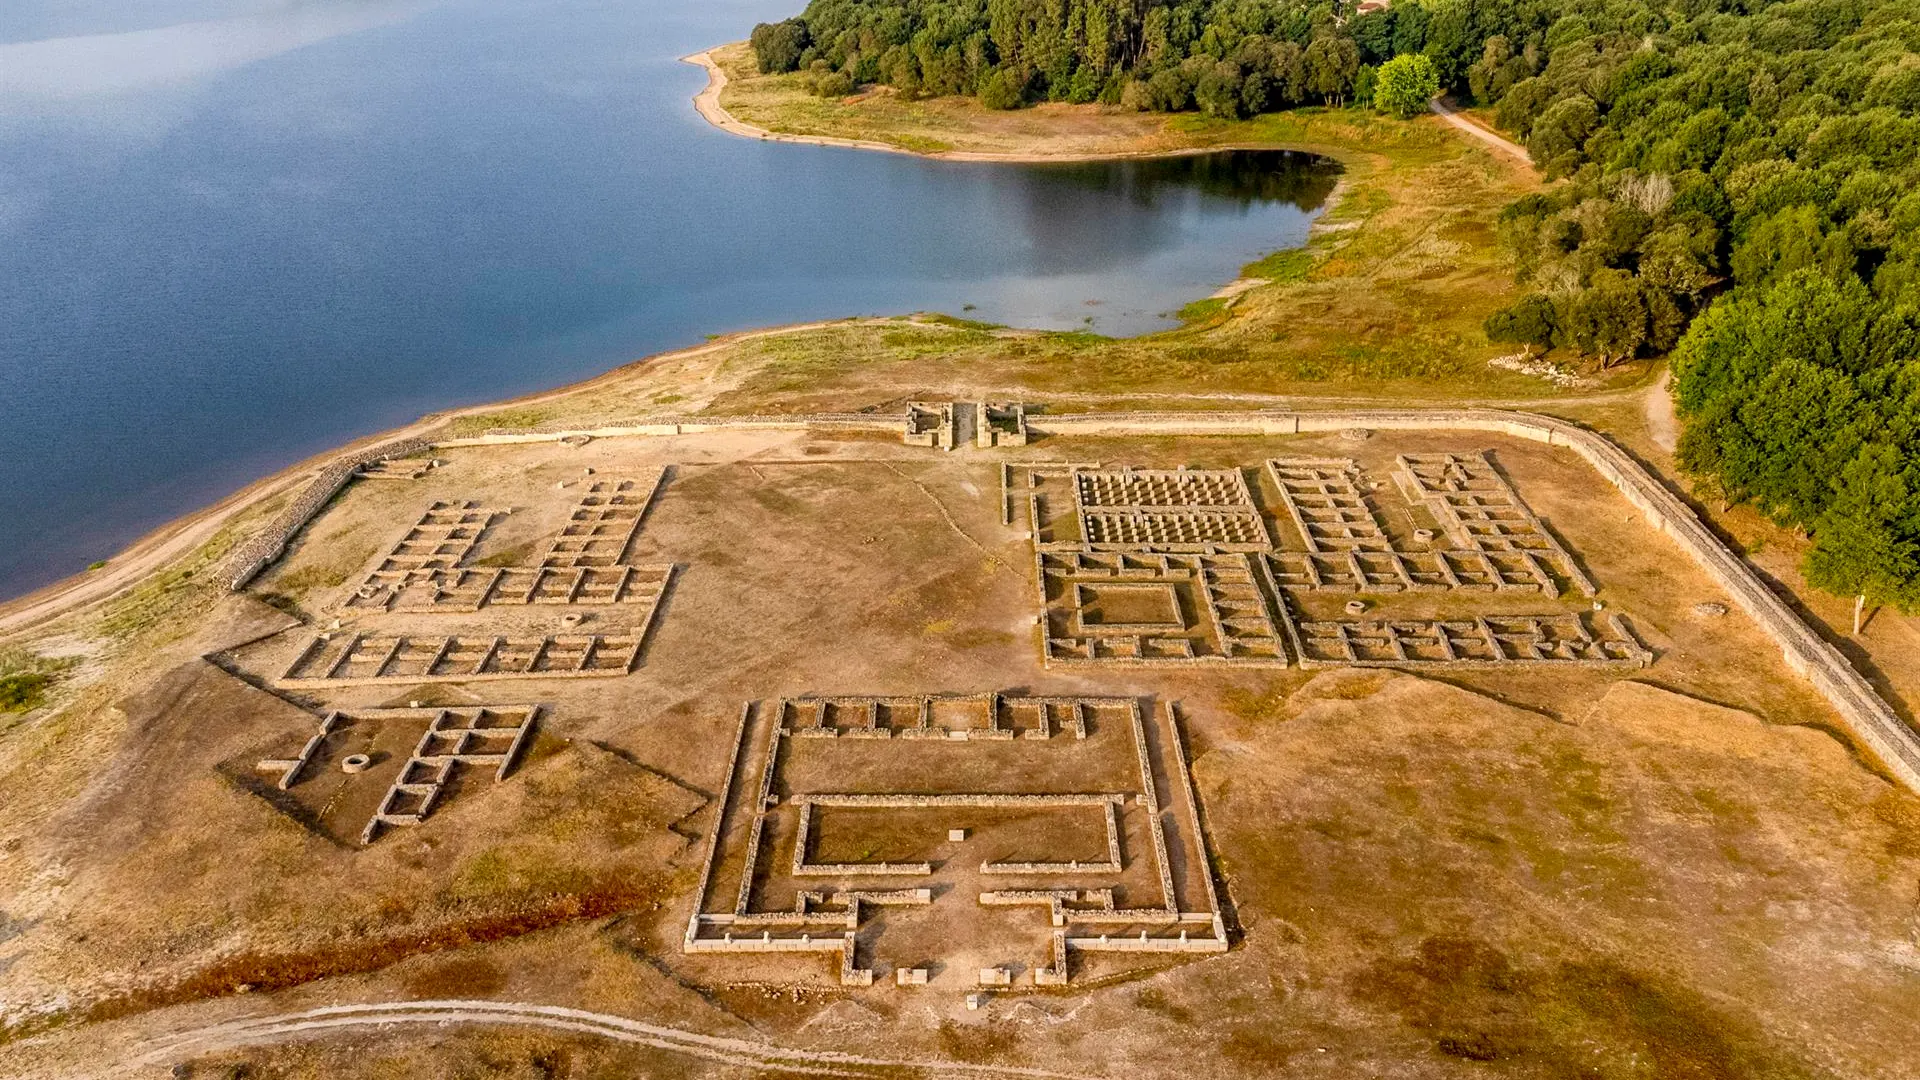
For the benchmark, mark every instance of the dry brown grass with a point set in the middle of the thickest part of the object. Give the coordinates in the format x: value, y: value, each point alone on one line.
x: 1492, y: 874
x: 1523, y: 874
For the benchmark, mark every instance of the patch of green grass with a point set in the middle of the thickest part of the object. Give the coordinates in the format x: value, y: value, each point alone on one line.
x: 1292, y: 264
x: 153, y: 601
x: 920, y: 144
x: 959, y: 323
x: 23, y: 692
x: 913, y: 341
x: 507, y: 419
x: 165, y: 606
x: 26, y: 677
x: 1203, y: 310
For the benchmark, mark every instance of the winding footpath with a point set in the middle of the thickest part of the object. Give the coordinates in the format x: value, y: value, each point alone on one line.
x: 282, y: 1027
x: 1494, y: 139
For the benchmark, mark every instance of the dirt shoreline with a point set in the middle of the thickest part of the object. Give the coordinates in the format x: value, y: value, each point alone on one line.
x: 183, y: 535
x: 707, y: 104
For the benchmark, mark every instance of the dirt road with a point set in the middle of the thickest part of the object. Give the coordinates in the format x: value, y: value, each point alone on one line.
x: 289, y: 1026
x: 1494, y: 139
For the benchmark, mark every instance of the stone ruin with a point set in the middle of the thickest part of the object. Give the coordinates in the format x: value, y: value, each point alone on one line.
x: 931, y: 424
x: 765, y: 889
x: 1105, y: 607
x: 425, y: 572
x: 1178, y: 567
x: 1178, y: 510
x: 397, y: 469
x: 1487, y: 537
x: 945, y: 424
x: 584, y: 564
x: 603, y: 524
x: 452, y: 741
x: 1000, y: 424
x: 470, y: 589
x: 337, y: 659
x: 1488, y: 641
x: 437, y: 543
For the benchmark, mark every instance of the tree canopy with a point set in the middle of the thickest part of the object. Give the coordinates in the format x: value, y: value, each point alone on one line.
x: 1739, y: 183
x: 1222, y: 57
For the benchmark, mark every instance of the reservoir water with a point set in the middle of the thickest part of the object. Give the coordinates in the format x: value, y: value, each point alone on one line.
x: 236, y: 232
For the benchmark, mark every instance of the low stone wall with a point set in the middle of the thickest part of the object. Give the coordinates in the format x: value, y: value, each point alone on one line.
x: 1183, y: 943
x: 884, y: 423
x: 260, y: 552
x: 1869, y: 718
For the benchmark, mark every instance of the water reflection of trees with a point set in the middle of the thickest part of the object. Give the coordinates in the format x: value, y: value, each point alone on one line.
x: 1244, y: 177
x: 1089, y: 216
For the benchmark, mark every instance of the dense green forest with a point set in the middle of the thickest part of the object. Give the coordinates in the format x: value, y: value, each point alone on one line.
x: 1739, y: 185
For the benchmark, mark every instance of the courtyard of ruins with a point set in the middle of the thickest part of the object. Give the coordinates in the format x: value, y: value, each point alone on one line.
x: 936, y: 685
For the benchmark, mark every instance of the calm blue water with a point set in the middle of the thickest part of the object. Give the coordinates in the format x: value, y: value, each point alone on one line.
x: 236, y: 232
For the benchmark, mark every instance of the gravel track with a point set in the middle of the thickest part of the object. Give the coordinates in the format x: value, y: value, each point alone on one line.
x: 258, y: 1030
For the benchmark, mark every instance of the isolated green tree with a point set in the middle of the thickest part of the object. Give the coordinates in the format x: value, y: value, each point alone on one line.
x: 1405, y: 84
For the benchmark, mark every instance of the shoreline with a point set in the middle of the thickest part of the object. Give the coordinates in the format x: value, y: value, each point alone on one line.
x: 707, y: 104
x: 181, y: 536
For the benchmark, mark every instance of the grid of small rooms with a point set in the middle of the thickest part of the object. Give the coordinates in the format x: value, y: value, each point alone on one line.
x: 1191, y: 548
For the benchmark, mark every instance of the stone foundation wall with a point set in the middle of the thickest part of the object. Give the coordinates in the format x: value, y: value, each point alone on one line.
x: 266, y: 547
x: 1869, y: 718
